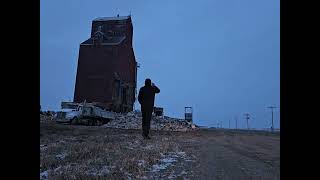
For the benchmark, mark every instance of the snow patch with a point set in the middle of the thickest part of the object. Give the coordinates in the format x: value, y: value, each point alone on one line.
x: 61, y: 156
x: 168, y: 160
x: 44, y: 175
x: 163, y: 164
x: 104, y: 170
x: 141, y: 162
x: 92, y: 172
x: 148, y: 147
x: 43, y: 147
x: 128, y: 147
x: 183, y: 173
x: 181, y: 153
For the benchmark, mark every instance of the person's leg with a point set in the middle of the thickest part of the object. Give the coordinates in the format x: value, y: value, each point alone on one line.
x: 144, y: 130
x: 148, y: 119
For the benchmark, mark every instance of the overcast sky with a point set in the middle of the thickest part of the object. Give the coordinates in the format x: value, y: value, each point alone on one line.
x: 222, y: 57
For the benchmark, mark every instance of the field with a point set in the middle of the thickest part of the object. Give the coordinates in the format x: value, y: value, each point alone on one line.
x: 84, y: 152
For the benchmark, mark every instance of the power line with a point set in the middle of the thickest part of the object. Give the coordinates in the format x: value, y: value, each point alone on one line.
x: 247, y: 117
x: 272, y: 107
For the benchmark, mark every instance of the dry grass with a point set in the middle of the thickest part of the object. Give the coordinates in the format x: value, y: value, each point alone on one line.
x: 81, y: 152
x: 84, y: 152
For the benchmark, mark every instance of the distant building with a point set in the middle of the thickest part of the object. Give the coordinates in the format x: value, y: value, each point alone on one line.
x: 107, y: 68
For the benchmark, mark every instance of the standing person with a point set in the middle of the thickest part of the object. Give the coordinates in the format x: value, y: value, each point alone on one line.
x: 146, y: 99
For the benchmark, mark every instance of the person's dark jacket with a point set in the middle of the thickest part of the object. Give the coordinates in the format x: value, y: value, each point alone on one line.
x: 146, y: 96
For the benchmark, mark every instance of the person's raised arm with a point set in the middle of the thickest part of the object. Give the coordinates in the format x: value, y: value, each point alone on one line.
x: 156, y: 89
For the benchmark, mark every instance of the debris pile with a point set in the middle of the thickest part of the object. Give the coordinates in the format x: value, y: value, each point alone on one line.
x: 133, y: 120
x: 45, y: 117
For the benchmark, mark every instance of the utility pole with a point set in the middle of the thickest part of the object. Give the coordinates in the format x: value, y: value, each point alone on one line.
x: 229, y: 123
x: 247, y: 117
x: 272, y: 107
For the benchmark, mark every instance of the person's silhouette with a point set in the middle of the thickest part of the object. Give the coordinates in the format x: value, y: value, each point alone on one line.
x: 146, y: 99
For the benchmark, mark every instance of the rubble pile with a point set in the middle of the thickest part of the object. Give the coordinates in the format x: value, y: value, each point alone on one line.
x: 45, y: 118
x: 133, y: 120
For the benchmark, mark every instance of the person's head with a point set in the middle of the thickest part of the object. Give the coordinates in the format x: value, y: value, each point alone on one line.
x: 147, y: 82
